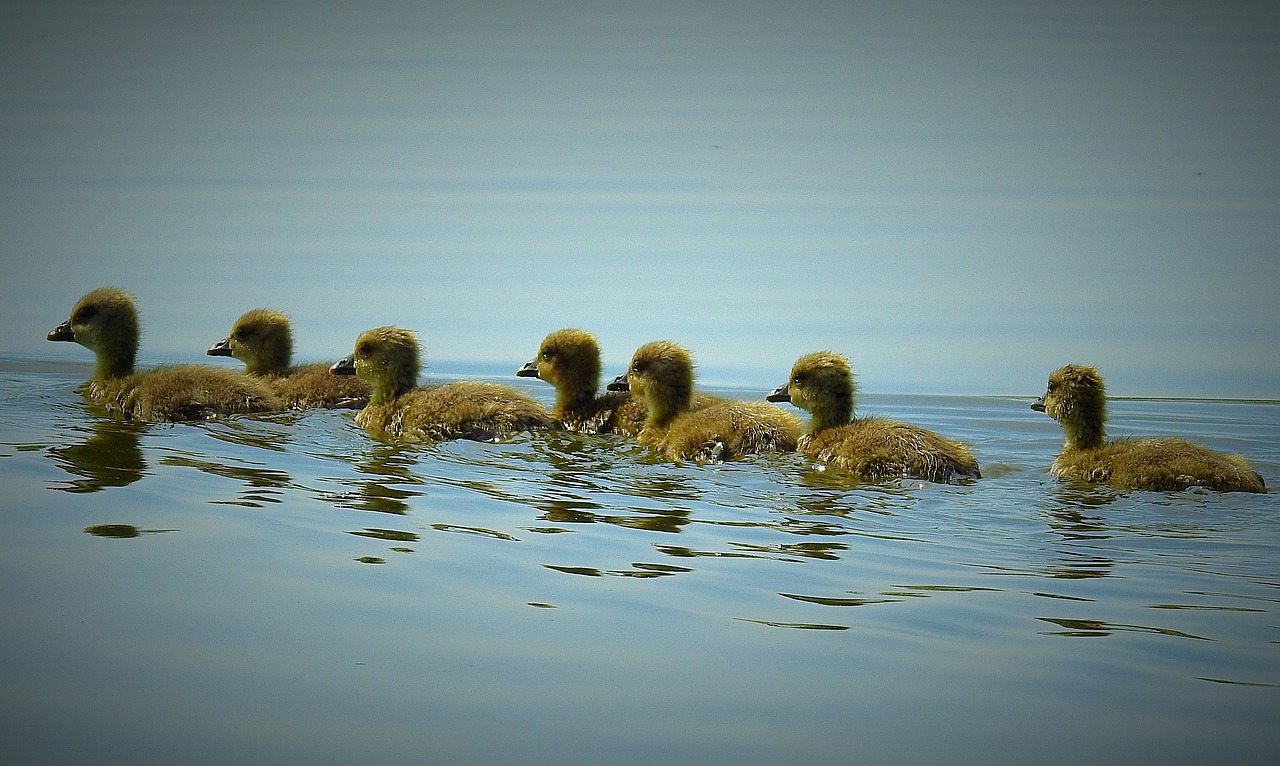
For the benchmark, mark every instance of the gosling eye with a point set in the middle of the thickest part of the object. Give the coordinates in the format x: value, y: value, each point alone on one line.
x: 241, y: 333
x: 85, y: 314
x: 548, y: 353
x: 637, y: 367
x: 364, y: 349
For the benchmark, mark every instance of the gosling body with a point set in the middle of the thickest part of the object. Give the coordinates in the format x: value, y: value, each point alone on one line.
x: 872, y: 448
x: 1076, y: 398
x: 105, y: 321
x: 399, y: 410
x: 661, y: 374
x: 569, y: 359
x: 263, y: 340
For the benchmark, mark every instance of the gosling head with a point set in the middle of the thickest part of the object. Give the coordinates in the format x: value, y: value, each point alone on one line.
x: 822, y: 384
x: 568, y: 359
x: 105, y: 321
x: 261, y: 338
x: 387, y: 357
x: 1077, y: 398
x: 661, y: 373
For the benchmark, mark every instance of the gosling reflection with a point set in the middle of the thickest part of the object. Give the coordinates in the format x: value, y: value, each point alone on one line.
x: 121, y: 531
x: 829, y: 492
x: 1077, y: 628
x: 580, y: 464
x: 786, y: 552
x: 1073, y: 519
x: 653, y: 520
x: 639, y: 569
x: 110, y: 457
x: 261, y: 485
x: 392, y: 467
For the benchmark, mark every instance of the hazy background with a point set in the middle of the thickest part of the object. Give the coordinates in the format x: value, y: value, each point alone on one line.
x: 961, y: 197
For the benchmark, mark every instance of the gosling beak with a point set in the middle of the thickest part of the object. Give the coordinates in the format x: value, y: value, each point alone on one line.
x: 1038, y: 404
x: 345, y: 366
x: 619, y: 383
x: 221, y: 348
x: 530, y: 370
x: 62, y: 332
x: 779, y: 394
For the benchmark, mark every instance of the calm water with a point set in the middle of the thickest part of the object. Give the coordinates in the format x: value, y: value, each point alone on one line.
x: 282, y: 590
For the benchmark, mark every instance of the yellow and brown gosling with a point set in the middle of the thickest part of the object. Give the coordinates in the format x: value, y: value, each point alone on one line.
x: 569, y: 359
x: 399, y: 410
x: 105, y: 321
x: 661, y: 374
x: 263, y: 340
x: 1076, y: 397
x: 872, y: 448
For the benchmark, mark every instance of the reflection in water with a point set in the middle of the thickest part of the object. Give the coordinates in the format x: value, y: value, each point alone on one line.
x: 1073, y: 519
x: 374, y: 496
x: 797, y: 625
x: 639, y: 569
x: 1098, y: 629
x: 568, y: 510
x: 789, y: 552
x: 392, y: 465
x: 121, y: 531
x: 580, y: 479
x: 794, y: 551
x: 110, y: 457
x: 856, y: 600
x: 675, y: 488
x: 834, y: 493
x: 263, y: 485
x: 481, y: 531
x: 653, y: 520
x: 1080, y: 567
x: 268, y: 431
x: 388, y: 534
x: 604, y: 479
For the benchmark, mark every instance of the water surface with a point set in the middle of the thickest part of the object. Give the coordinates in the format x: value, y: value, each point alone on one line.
x: 283, y: 589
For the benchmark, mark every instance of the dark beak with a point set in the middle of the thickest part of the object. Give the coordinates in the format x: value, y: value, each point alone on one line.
x: 1038, y: 404
x: 62, y: 332
x: 530, y: 370
x: 780, y: 394
x: 619, y: 383
x: 345, y: 366
x: 221, y: 348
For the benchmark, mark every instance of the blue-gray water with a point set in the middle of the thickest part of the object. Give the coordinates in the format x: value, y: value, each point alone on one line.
x: 281, y: 589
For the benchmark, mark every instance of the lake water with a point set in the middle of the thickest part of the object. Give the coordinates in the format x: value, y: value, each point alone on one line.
x: 282, y: 589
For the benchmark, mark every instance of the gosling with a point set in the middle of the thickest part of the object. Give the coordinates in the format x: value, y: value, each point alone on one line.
x: 263, y: 340
x: 398, y: 410
x: 1076, y: 397
x: 872, y: 448
x: 569, y: 359
x: 661, y: 374
x: 105, y: 321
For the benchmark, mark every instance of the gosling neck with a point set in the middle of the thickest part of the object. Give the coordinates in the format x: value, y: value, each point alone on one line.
x: 569, y: 401
x: 388, y: 381
x: 831, y: 412
x: 574, y: 395
x: 386, y: 389
x: 667, y: 404
x: 115, y: 358
x: 273, y: 362
x: 1083, y: 433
